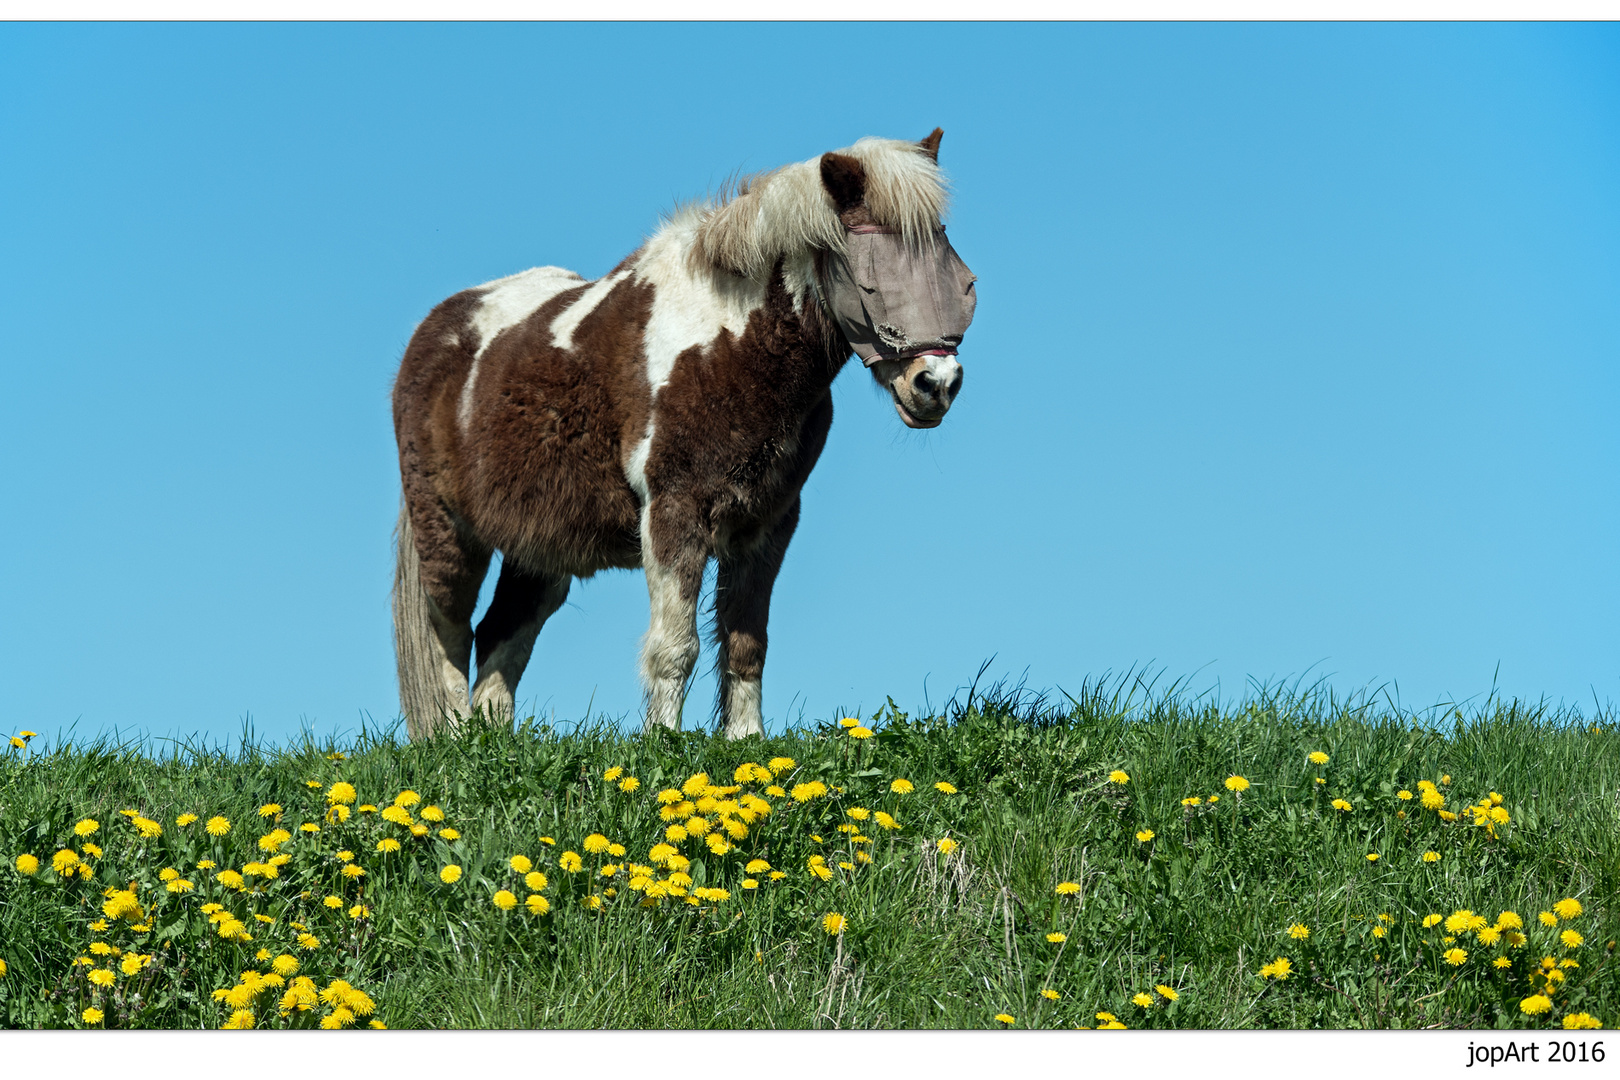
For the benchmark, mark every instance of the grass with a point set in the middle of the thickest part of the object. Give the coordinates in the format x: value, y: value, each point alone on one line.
x: 930, y: 939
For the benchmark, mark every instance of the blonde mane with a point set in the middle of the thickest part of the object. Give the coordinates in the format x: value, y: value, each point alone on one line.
x: 787, y: 213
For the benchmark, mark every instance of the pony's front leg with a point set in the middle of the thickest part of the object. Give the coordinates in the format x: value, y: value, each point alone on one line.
x: 742, y: 606
x: 674, y: 578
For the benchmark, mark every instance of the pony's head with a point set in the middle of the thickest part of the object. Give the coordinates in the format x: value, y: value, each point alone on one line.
x: 899, y: 293
x: 861, y: 227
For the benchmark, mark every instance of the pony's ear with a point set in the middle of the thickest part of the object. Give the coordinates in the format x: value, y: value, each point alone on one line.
x: 930, y: 145
x: 844, y: 178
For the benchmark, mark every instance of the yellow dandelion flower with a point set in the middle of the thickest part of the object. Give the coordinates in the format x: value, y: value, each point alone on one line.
x: 64, y: 861
x: 1501, y: 962
x: 885, y: 821
x: 432, y: 813
x: 1236, y: 783
x: 570, y: 862
x: 750, y: 883
x: 1488, y: 935
x: 1548, y: 918
x: 1571, y: 939
x: 102, y: 977
x: 333, y: 902
x: 388, y: 845
x: 675, y: 834
x: 1145, y: 835
x: 1057, y: 937
x: 535, y: 881
x: 1431, y: 920
x: 218, y: 825
x: 91, y: 1015
x: 27, y: 865
x: 669, y: 796
x: 1577, y: 1021
x: 450, y: 874
x: 860, y: 733
x: 1445, y: 779
x: 1143, y: 1000
x: 1341, y: 805
x: 778, y: 875
x: 1119, y: 776
x: 596, y: 843
x: 341, y: 793
x: 1516, y: 939
x: 1568, y: 908
x: 1050, y: 995
x: 520, y: 863
x: 407, y: 798
x: 1431, y: 856
x: 695, y: 784
x: 505, y: 900
x: 1006, y: 1018
x: 613, y: 773
x: 946, y: 845
x: 1107, y: 1017
x: 1456, y: 957
x: 776, y: 791
x: 1535, y: 1004
x: 901, y: 786
x: 629, y: 785
x: 1191, y: 800
x: 944, y: 788
x: 1067, y: 888
x: 353, y: 870
x: 1299, y: 931
x: 537, y: 904
x: 1318, y: 758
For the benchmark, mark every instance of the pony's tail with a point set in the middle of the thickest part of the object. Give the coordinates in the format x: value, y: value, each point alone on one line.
x: 420, y: 657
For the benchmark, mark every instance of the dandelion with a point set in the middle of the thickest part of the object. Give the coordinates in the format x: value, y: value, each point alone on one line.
x: 1576, y: 1021
x: 1431, y: 856
x: 86, y: 827
x: 1341, y: 805
x: 1191, y: 800
x: 884, y: 820
x: 1456, y: 957
x: 535, y: 880
x: 354, y: 870
x: 695, y: 784
x: 1571, y: 939
x: 1548, y: 918
x: 1006, y: 1018
x: 407, y: 798
x: 1379, y: 931
x: 860, y: 733
x: 613, y: 773
x: 1516, y: 939
x: 570, y: 862
x: 1236, y: 783
x: 450, y: 874
x: 1430, y: 920
x: 1050, y: 995
x: 1299, y: 931
x: 849, y: 722
x: 1372, y: 856
x: 1119, y: 776
x: 1145, y: 835
x: 285, y: 965
x: 333, y: 902
x: 64, y: 861
x: 1433, y: 800
x: 901, y: 786
x: 102, y: 977
x: 1501, y: 962
x: 341, y: 793
x: 520, y: 863
x: 1318, y: 758
x: 1278, y: 969
x: 780, y: 765
x: 185, y: 819
x: 1535, y: 1004
x: 944, y: 788
x: 1107, y: 1017
x: 629, y: 785
x: 388, y: 845
x: 834, y: 923
x: 1568, y: 908
x: 432, y: 813
x: 946, y: 846
x: 596, y: 843
x: 1067, y: 888
x: 505, y: 900
x: 91, y: 1015
x: 1445, y: 779
x: 1488, y: 935
x: 537, y: 904
x: 1057, y: 937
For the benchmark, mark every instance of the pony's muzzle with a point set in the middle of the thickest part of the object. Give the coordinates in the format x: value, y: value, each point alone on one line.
x: 924, y: 390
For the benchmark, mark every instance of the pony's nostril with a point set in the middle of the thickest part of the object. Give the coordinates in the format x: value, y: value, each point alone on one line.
x: 925, y: 383
x: 955, y: 384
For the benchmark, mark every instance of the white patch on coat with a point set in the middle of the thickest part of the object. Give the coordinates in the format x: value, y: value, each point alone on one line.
x: 506, y: 302
x: 564, y: 325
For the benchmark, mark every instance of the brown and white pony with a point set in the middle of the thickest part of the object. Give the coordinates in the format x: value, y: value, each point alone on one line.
x: 660, y: 416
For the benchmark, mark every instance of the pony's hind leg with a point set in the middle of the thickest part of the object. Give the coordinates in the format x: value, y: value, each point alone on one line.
x: 522, y: 604
x: 436, y: 580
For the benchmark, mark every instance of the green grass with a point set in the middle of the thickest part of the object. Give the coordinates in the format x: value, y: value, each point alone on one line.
x: 931, y: 940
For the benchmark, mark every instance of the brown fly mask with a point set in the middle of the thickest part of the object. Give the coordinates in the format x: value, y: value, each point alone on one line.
x: 902, y: 297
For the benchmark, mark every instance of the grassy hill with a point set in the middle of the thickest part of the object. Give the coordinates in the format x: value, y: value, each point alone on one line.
x: 1160, y: 861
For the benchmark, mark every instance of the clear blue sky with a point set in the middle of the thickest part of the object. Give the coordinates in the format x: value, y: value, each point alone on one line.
x: 1297, y: 345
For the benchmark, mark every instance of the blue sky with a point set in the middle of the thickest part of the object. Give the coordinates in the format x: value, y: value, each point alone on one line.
x: 1296, y: 351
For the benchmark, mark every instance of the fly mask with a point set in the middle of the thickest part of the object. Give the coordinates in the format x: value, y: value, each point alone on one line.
x: 894, y: 301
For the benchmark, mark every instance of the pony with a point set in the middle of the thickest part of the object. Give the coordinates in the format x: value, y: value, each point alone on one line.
x: 660, y: 416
